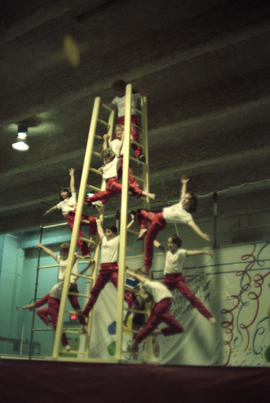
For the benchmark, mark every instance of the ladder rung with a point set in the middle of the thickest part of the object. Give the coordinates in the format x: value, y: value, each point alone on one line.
x: 47, y: 266
x: 96, y: 171
x: 87, y: 240
x: 136, y: 142
x: 97, y: 154
x: 103, y: 122
x: 138, y: 111
x: 138, y: 178
x: 74, y: 331
x: 83, y: 276
x: 137, y: 252
x: 106, y: 106
x: 99, y: 137
x: 134, y: 310
x: 138, y: 127
x: 78, y: 294
x: 132, y: 231
x: 126, y: 329
x: 140, y: 353
x: 70, y: 352
x: 37, y: 329
x: 137, y: 160
x: 94, y: 188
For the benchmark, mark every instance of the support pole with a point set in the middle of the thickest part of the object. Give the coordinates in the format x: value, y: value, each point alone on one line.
x: 144, y: 134
x: 123, y: 224
x: 35, y: 295
x: 215, y: 215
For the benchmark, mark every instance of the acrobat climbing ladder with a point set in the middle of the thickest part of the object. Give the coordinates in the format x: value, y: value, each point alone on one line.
x: 144, y: 179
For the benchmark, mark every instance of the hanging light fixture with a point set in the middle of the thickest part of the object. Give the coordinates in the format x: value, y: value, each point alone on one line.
x: 21, y: 144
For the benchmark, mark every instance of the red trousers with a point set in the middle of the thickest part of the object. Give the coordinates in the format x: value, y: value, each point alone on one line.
x: 133, y: 184
x: 49, y: 315
x: 160, y: 313
x: 157, y: 223
x: 134, y: 133
x: 108, y: 272
x: 177, y: 281
x: 82, y: 245
x: 113, y: 187
x: 73, y: 299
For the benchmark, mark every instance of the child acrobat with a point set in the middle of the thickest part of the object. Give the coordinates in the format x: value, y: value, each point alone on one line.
x: 116, y: 146
x: 49, y: 315
x: 110, y: 174
x: 68, y: 205
x: 177, y: 213
x: 173, y: 277
x: 139, y: 318
x: 119, y: 101
x: 162, y: 298
x: 108, y: 265
x: 62, y: 262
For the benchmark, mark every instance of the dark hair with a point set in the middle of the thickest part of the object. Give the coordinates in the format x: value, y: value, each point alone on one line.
x: 193, y: 202
x: 108, y: 152
x: 176, y: 240
x: 64, y: 246
x: 119, y: 84
x: 64, y: 190
x: 112, y: 228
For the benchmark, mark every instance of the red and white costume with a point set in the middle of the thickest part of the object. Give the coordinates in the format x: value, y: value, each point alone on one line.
x: 174, y: 278
x: 115, y: 145
x: 173, y: 215
x: 73, y: 299
x: 120, y: 102
x: 68, y: 208
x: 113, y: 186
x: 160, y: 312
x: 49, y: 315
x: 55, y: 293
x: 108, y: 272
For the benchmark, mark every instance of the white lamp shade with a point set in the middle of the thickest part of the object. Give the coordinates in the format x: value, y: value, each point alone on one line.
x: 20, y: 146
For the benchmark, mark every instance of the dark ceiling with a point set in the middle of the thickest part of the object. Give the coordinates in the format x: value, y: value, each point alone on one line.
x: 205, y: 65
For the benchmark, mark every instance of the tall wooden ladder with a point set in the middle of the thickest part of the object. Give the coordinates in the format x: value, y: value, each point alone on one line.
x: 143, y: 179
x: 97, y: 119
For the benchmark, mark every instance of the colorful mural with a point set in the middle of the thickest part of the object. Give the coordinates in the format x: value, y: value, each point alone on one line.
x: 234, y: 285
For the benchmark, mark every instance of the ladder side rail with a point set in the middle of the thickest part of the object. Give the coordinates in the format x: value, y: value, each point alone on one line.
x: 35, y: 295
x: 144, y: 135
x: 123, y: 225
x: 79, y: 209
x: 87, y: 341
x: 144, y: 124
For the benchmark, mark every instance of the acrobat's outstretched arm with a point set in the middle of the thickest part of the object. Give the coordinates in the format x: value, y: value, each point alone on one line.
x: 105, y: 145
x: 47, y: 250
x: 195, y: 252
x: 72, y: 180
x: 99, y: 228
x: 137, y: 276
x: 198, y: 231
x: 50, y: 210
x: 158, y: 245
x: 184, y: 181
